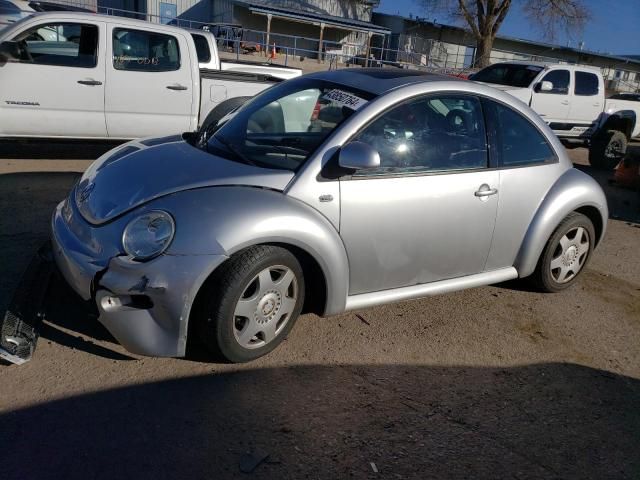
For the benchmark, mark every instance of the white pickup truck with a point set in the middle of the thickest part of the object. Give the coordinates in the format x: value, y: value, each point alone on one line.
x: 571, y: 99
x: 81, y: 75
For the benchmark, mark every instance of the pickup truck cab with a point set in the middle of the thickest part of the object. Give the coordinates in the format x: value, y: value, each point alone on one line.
x: 571, y: 100
x: 81, y: 75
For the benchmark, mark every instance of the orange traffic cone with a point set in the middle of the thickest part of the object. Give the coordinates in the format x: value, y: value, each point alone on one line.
x: 273, y: 52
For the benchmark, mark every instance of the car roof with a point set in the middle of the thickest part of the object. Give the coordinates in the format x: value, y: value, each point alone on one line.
x: 379, y: 80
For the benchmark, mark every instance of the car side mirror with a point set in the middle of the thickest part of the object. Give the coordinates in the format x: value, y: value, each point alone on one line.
x: 358, y: 156
x: 9, y: 51
x: 544, y: 86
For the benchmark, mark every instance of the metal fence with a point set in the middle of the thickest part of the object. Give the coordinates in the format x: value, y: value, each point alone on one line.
x: 312, y: 54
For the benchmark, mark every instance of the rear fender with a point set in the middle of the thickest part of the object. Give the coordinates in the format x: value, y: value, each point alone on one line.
x: 574, y: 190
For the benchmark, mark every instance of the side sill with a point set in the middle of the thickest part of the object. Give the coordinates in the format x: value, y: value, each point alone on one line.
x: 365, y: 300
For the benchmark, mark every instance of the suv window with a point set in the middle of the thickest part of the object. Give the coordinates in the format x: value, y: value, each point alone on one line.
x: 202, y: 48
x: 435, y: 133
x: 144, y: 51
x: 517, y: 141
x: 560, y: 80
x: 586, y: 84
x: 63, y: 44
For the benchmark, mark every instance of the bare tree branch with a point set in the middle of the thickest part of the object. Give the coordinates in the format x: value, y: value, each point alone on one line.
x: 485, y: 17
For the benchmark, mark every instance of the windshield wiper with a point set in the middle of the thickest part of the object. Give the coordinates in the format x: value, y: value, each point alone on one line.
x: 229, y: 146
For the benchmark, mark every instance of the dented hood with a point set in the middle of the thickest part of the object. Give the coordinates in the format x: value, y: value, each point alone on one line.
x: 140, y: 171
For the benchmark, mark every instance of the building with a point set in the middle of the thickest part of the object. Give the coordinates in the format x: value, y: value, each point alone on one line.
x: 418, y: 41
x: 307, y: 28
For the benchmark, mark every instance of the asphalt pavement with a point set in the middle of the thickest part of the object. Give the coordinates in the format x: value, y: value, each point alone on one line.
x: 495, y: 382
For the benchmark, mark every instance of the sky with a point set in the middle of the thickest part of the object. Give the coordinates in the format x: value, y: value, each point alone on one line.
x: 614, y: 26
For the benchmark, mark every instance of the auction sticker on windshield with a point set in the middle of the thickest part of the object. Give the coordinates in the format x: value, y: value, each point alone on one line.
x: 344, y: 99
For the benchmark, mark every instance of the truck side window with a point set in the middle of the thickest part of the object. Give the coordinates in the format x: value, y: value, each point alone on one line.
x: 560, y: 80
x: 202, y: 48
x: 518, y: 143
x: 143, y: 51
x: 586, y: 84
x: 61, y: 44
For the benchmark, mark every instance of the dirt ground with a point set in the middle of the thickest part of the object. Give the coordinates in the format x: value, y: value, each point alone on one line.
x: 495, y: 382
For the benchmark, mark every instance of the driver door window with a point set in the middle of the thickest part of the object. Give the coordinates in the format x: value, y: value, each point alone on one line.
x: 560, y: 80
x: 432, y: 134
x: 62, y: 44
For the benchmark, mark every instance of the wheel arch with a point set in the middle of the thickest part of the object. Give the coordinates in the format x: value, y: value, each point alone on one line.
x: 574, y: 191
x: 623, y: 121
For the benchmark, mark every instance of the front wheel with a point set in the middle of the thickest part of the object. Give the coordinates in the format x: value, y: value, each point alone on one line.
x: 252, y: 303
x: 566, y: 254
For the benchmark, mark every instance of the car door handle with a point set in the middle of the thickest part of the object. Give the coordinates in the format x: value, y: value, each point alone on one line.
x: 485, y: 191
x: 176, y: 87
x: 89, y: 82
x: 565, y: 102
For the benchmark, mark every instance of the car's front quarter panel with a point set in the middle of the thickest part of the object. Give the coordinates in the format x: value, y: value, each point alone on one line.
x: 226, y: 219
x: 572, y: 191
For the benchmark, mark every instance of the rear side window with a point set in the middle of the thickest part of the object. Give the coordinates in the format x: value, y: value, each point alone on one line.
x: 517, y: 141
x: 62, y: 44
x: 8, y: 8
x: 560, y: 80
x: 143, y: 51
x: 202, y: 48
x: 586, y: 84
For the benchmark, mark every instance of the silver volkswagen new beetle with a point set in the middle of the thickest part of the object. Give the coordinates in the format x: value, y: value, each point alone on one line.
x: 331, y: 192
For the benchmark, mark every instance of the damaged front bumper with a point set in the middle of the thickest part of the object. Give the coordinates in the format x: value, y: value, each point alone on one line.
x: 144, y: 305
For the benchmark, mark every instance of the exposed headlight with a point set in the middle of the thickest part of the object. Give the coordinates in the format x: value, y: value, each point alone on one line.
x: 148, y: 235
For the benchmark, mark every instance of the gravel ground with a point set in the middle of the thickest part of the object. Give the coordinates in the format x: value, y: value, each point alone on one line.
x: 498, y: 381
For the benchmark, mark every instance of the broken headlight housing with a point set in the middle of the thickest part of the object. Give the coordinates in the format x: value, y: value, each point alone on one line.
x: 148, y: 235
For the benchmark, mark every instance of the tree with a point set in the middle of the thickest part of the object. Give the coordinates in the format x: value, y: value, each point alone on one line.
x: 484, y: 18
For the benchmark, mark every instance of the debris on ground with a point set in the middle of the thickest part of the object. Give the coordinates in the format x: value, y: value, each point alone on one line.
x: 250, y: 461
x: 374, y: 468
x: 362, y: 319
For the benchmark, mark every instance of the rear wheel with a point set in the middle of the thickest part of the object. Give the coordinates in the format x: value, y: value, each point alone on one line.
x: 607, y: 149
x: 566, y: 254
x: 251, y: 305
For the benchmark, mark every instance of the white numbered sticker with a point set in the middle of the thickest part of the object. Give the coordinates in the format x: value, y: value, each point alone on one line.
x: 344, y: 99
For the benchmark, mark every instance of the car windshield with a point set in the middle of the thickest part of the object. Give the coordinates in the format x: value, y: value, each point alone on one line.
x: 510, y: 74
x: 284, y: 125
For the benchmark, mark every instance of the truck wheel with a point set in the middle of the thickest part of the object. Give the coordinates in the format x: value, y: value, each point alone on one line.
x: 251, y: 304
x: 566, y: 254
x: 217, y: 113
x: 607, y: 149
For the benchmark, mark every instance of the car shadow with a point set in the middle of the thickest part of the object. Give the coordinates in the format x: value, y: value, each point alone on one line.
x: 624, y: 203
x: 54, y: 150
x: 537, y: 421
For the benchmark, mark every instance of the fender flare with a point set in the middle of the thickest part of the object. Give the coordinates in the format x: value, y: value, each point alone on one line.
x: 574, y: 190
x: 621, y: 120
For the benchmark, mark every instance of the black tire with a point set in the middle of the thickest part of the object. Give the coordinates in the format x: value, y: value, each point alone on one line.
x: 543, y: 277
x: 607, y: 149
x: 216, y: 322
x: 208, y: 126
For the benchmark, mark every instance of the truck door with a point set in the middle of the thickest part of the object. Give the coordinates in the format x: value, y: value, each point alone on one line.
x: 150, y: 83
x: 587, y: 102
x: 553, y: 106
x: 54, y: 87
